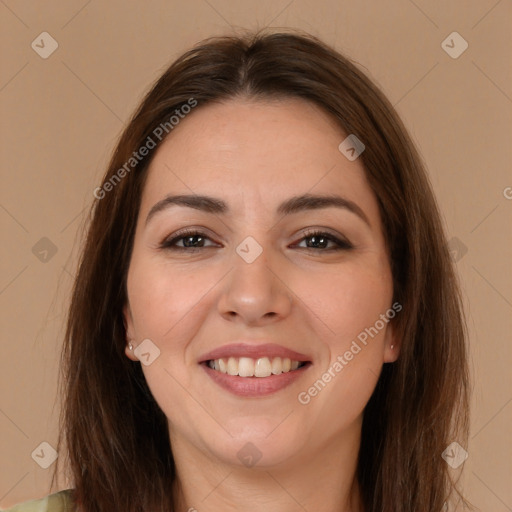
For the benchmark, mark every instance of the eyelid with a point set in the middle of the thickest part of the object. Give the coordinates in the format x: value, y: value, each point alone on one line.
x: 183, y: 233
x: 340, y: 241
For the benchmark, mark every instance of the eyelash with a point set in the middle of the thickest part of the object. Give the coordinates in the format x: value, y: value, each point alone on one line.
x: 168, y: 244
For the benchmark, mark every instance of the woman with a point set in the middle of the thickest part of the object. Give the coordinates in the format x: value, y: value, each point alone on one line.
x: 266, y: 316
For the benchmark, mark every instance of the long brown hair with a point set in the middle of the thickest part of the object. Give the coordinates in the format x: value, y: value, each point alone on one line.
x: 116, y: 435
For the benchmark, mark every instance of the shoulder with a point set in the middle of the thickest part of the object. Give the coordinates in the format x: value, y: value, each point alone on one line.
x: 59, y: 502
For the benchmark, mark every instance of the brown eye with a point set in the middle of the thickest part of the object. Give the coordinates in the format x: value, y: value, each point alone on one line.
x: 186, y: 240
x: 320, y: 240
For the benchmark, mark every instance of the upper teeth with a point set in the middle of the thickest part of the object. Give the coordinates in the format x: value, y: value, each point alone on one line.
x: 248, y: 367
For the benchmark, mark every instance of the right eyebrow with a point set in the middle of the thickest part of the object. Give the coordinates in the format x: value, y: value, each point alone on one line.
x: 198, y: 202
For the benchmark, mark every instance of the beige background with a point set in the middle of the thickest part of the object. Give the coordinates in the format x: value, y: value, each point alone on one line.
x: 61, y: 117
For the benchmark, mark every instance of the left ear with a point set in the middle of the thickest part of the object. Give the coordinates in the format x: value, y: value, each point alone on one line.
x: 391, y: 344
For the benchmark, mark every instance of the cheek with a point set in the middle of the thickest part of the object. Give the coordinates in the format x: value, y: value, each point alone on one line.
x: 161, y: 297
x: 166, y: 306
x: 350, y: 301
x: 351, y: 305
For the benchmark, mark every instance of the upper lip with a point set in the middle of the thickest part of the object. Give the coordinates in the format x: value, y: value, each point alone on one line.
x: 254, y: 351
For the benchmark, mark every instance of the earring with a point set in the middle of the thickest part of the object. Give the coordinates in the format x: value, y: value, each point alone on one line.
x: 130, y: 346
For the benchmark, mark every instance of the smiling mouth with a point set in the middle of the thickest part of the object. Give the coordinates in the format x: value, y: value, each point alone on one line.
x: 249, y: 367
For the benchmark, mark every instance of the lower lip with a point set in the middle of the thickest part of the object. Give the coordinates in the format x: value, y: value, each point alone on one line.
x: 255, y: 386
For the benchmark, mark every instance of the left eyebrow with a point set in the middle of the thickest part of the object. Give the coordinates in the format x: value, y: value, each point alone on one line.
x: 316, y: 202
x: 291, y: 206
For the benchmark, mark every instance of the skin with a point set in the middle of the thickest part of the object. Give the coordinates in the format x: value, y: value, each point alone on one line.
x: 254, y: 155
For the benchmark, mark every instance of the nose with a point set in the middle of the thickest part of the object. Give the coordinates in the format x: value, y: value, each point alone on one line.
x: 255, y: 293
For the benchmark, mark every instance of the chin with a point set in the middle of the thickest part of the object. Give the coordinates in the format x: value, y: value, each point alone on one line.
x: 261, y: 445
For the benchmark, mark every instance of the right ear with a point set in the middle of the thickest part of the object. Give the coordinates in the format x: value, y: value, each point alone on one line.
x: 130, y: 332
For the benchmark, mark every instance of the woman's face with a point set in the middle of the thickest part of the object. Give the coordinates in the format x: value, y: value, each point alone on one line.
x: 264, y: 279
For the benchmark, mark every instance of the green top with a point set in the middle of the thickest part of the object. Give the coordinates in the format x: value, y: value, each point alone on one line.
x: 58, y: 502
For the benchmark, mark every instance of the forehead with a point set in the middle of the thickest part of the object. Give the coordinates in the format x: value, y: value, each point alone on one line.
x: 256, y: 150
